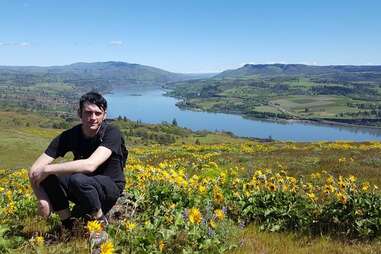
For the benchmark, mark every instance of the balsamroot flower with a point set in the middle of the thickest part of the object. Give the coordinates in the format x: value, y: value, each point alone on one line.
x: 220, y: 215
x: 342, y: 198
x: 107, y: 248
x: 94, y: 226
x: 195, y: 216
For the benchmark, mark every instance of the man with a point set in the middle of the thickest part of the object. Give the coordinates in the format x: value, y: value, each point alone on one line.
x: 94, y: 179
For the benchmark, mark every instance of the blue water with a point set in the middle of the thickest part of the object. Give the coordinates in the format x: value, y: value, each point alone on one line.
x: 150, y: 106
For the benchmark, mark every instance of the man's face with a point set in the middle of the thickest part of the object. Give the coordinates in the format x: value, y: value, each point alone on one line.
x: 91, y: 117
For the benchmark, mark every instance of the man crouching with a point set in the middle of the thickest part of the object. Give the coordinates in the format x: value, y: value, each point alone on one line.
x: 94, y: 179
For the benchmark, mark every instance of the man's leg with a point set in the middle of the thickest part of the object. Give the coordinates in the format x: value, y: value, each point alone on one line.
x: 56, y: 188
x: 93, y: 194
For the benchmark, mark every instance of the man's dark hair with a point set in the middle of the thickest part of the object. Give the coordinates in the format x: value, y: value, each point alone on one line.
x: 94, y: 98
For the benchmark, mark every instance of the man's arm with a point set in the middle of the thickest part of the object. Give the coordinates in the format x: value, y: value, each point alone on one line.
x: 41, y: 162
x: 42, y: 170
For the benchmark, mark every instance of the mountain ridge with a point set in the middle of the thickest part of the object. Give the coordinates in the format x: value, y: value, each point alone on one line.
x: 278, y: 69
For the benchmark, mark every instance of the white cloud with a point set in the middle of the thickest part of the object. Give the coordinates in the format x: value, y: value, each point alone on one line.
x: 16, y: 44
x: 116, y: 43
x: 24, y: 44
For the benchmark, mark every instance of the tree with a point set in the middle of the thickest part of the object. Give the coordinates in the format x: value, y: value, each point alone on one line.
x: 174, y: 122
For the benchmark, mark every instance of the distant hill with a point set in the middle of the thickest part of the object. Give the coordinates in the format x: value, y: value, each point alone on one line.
x: 274, y: 70
x: 103, y: 75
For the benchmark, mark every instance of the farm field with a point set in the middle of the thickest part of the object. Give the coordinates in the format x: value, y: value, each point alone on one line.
x: 289, y: 97
x: 210, y: 193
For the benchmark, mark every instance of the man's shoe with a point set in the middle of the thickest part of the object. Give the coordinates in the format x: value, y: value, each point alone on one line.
x: 68, y: 223
x: 103, y: 220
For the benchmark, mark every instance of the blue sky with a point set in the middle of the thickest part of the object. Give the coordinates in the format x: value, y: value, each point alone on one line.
x: 190, y: 36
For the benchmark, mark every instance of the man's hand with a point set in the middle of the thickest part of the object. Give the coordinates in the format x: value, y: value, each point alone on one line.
x: 37, y: 175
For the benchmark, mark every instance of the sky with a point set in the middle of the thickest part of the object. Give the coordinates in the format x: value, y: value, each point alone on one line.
x: 190, y: 36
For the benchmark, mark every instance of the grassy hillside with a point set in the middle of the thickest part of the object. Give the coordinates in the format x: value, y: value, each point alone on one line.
x: 207, y: 192
x: 342, y: 95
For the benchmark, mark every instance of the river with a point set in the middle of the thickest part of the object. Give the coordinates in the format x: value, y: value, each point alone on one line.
x: 151, y: 106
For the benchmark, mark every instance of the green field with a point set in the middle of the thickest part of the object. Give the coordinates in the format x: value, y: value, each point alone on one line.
x: 288, y: 97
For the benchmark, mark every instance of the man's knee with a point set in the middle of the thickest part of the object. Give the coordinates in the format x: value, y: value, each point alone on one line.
x: 49, y: 182
x: 78, y: 181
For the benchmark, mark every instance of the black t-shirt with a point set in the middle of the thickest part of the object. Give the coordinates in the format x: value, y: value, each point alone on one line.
x: 109, y: 136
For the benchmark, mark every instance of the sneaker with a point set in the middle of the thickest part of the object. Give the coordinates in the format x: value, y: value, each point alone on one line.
x: 103, y: 220
x: 68, y: 223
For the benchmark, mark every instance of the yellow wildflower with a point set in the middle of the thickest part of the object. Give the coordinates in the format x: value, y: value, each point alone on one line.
x: 11, y: 208
x: 94, y: 226
x: 201, y: 188
x: 129, y: 225
x: 352, y: 178
x: 219, y: 214
x: 161, y: 245
x: 218, y: 195
x: 212, y: 224
x: 365, y: 186
x: 330, y: 180
x: 342, y: 198
x: 271, y: 186
x: 107, y: 248
x: 328, y: 189
x: 194, y: 216
x: 312, y: 196
x: 39, y: 240
x: 316, y: 175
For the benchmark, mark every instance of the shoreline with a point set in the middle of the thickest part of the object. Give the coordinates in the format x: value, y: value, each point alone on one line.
x: 283, y: 120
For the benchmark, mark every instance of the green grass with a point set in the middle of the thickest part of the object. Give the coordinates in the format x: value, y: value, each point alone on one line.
x: 252, y: 240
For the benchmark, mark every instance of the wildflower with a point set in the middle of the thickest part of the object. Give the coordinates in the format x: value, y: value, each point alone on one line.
x: 312, y: 196
x: 271, y: 186
x: 218, y: 195
x: 129, y: 225
x: 11, y: 208
x: 212, y: 224
x: 330, y: 180
x: 161, y: 245
x: 365, y: 186
x: 219, y: 214
x: 328, y: 189
x: 94, y: 226
x: 9, y: 195
x: 316, y: 175
x: 341, y: 183
x: 342, y: 198
x: 310, y: 187
x: 107, y: 248
x: 342, y: 159
x: 201, y: 188
x: 352, y: 178
x: 39, y: 240
x: 195, y: 216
